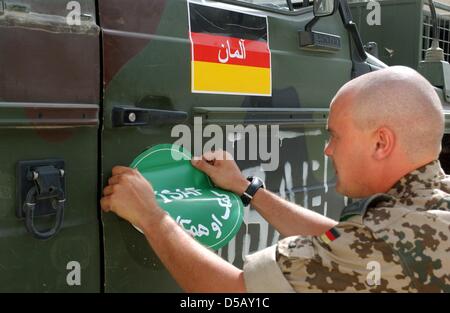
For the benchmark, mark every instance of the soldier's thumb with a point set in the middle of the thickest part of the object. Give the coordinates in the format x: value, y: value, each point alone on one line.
x: 202, y: 165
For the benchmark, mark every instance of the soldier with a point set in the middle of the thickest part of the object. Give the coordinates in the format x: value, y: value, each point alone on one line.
x: 385, y: 131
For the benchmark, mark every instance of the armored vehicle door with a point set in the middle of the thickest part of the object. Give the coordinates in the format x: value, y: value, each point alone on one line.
x: 168, y: 62
x: 49, y: 104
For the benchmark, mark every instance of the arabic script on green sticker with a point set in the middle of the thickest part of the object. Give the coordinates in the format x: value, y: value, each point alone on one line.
x: 211, y: 215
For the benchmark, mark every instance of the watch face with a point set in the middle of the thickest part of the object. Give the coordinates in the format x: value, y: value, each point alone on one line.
x: 260, y: 181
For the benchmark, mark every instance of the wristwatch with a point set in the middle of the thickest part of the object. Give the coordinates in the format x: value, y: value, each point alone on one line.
x: 255, y: 184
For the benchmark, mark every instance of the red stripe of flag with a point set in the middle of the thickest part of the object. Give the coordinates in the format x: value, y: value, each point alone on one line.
x: 230, y: 50
x: 332, y: 234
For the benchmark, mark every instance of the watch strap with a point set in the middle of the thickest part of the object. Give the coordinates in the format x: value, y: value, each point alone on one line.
x: 255, y: 184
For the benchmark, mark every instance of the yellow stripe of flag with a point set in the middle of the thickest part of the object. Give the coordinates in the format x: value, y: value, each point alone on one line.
x: 228, y: 78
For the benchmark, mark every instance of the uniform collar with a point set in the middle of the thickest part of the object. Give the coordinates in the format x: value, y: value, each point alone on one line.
x: 418, y: 180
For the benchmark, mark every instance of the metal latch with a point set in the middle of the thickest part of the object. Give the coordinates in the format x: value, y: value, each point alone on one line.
x: 41, y: 194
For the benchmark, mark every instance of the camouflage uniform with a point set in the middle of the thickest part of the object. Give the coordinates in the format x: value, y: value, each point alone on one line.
x: 406, y: 231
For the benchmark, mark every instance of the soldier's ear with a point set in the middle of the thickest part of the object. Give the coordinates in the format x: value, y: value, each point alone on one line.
x: 383, y: 143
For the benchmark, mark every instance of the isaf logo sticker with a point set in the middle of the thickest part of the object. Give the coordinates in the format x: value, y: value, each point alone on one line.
x: 229, y: 52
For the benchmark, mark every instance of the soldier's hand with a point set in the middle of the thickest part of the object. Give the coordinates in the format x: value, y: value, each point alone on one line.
x: 223, y: 171
x: 130, y: 196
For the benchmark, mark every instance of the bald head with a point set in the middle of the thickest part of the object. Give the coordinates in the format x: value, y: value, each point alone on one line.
x: 402, y: 100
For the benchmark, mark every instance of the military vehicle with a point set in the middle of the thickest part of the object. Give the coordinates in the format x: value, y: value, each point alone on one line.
x: 418, y: 37
x: 86, y: 85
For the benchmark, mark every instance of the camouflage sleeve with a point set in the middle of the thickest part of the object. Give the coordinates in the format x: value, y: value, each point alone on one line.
x: 421, y: 240
x: 262, y: 273
x: 347, y: 258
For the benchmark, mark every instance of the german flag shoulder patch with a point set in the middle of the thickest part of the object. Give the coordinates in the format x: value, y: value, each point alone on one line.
x: 330, y: 235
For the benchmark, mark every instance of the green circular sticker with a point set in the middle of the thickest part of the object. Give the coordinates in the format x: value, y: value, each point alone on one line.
x: 211, y: 215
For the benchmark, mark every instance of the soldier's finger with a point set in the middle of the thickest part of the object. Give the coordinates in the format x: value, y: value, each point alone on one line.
x: 118, y: 170
x: 108, y: 190
x: 115, y: 179
x: 227, y: 156
x: 105, y: 204
x: 211, y: 155
x: 218, y: 155
x: 202, y: 165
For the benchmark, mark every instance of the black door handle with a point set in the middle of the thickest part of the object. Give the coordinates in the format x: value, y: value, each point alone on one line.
x: 130, y: 116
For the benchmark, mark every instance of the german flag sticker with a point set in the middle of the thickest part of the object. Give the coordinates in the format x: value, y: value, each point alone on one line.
x: 230, y: 52
x: 330, y: 235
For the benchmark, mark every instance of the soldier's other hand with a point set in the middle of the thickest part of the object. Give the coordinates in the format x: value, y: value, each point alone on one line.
x: 223, y: 170
x: 130, y: 196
